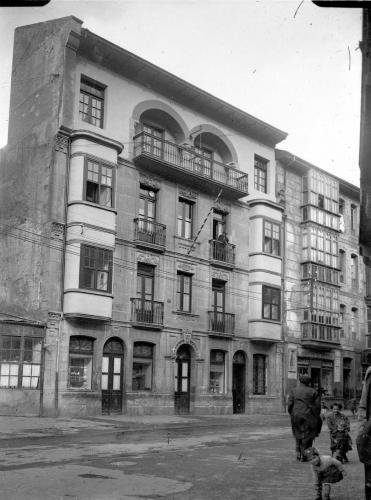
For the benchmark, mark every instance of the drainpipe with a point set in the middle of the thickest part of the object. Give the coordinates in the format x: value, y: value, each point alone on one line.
x: 284, y: 310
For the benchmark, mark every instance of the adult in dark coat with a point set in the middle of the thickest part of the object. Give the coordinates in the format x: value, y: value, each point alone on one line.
x: 304, y: 407
x: 364, y: 418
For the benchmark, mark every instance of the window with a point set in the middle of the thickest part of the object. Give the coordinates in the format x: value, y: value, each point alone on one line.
x: 184, y: 292
x: 271, y: 303
x: 354, y: 322
x: 203, y: 160
x: 341, y: 206
x: 142, y: 366
x: 259, y: 374
x: 99, y: 183
x: 260, y: 174
x: 20, y: 360
x: 80, y: 364
x: 219, y: 224
x: 342, y: 258
x: 354, y: 270
x: 96, y: 268
x: 353, y: 217
x: 91, y: 102
x: 152, y: 140
x: 271, y: 238
x: 217, y: 371
x: 342, y: 320
x: 185, y: 215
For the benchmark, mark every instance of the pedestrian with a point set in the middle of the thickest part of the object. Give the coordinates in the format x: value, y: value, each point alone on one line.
x: 327, y: 470
x: 324, y: 410
x: 304, y: 407
x: 364, y: 435
x: 339, y: 427
x: 353, y: 406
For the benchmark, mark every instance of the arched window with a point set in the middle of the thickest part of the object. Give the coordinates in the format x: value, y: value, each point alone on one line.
x: 80, y: 365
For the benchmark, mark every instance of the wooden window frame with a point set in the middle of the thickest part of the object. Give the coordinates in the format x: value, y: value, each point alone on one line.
x: 107, y: 256
x: 92, y: 90
x: 79, y: 353
x: 270, y: 239
x: 100, y: 184
x: 259, y: 374
x: 181, y: 293
x: 261, y: 174
x: 267, y: 292
x: 190, y: 205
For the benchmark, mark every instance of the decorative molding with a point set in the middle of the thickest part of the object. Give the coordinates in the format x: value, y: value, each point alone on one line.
x: 187, y: 335
x: 192, y: 195
x: 187, y: 339
x: 57, y: 231
x: 61, y: 143
x: 149, y: 182
x: 148, y: 259
x: 53, y: 321
x: 220, y: 276
x: 185, y: 267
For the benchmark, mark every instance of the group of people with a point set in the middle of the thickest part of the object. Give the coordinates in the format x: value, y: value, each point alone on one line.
x: 307, y: 418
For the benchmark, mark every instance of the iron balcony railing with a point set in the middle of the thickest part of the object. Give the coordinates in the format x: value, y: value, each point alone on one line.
x: 148, y: 231
x: 223, y: 252
x: 148, y: 312
x: 188, y: 159
x: 221, y: 322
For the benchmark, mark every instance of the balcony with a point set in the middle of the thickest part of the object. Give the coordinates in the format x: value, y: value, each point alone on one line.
x: 221, y: 324
x: 147, y: 313
x: 184, y: 164
x: 150, y: 234
x: 222, y: 254
x: 319, y: 337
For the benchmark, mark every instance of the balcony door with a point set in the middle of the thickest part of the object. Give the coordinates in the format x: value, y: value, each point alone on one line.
x: 147, y: 214
x: 218, y: 305
x: 153, y: 143
x: 182, y: 380
x: 112, y: 376
x: 219, y: 224
x: 145, y: 290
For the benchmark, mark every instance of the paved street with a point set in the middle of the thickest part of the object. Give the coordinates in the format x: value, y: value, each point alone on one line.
x: 193, y: 458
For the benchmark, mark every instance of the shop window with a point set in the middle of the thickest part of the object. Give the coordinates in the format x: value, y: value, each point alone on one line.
x: 80, y: 364
x: 217, y: 371
x: 20, y: 361
x: 260, y: 174
x: 184, y: 292
x: 91, y: 102
x: 96, y: 268
x: 142, y: 366
x: 185, y: 218
x: 271, y: 303
x: 271, y: 238
x: 259, y: 374
x: 99, y: 183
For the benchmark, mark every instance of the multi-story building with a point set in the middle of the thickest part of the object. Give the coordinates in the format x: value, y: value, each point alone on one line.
x: 365, y: 172
x: 141, y: 249
x: 324, y: 278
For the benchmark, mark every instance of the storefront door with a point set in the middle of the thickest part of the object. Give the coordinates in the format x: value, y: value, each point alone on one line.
x: 238, y: 382
x: 112, y: 379
x: 182, y: 381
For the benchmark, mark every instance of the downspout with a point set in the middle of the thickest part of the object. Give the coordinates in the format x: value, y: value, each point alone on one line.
x: 284, y: 305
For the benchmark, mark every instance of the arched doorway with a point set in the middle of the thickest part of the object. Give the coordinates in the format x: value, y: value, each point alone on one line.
x: 112, y: 376
x: 238, y: 382
x: 182, y: 380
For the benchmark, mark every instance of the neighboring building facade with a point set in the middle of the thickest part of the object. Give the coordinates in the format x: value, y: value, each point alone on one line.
x: 324, y: 278
x: 141, y: 250
x: 365, y: 173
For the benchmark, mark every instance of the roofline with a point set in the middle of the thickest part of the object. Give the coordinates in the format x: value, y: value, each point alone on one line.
x: 272, y: 134
x: 291, y: 160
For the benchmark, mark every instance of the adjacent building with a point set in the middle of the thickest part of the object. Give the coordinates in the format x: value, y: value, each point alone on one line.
x: 157, y: 253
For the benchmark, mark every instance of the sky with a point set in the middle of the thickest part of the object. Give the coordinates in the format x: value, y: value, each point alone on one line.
x: 289, y: 63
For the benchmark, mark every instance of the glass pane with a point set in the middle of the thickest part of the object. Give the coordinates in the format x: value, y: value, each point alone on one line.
x: 13, y: 382
x: 116, y: 382
x: 5, y: 369
x: 106, y: 196
x: 117, y: 365
x: 102, y: 280
x: 13, y: 369
x: 105, y: 364
x: 184, y: 369
x: 4, y: 380
x: 184, y: 384
x: 26, y: 369
x: 34, y: 382
x: 104, y: 382
x: 26, y: 382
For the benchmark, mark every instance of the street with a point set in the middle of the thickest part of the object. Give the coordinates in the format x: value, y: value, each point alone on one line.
x: 194, y: 458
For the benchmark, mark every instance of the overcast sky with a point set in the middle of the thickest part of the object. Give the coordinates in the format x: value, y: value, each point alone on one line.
x: 289, y: 63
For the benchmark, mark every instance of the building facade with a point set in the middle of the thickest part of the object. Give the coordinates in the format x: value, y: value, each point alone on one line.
x: 324, y: 278
x: 141, y: 239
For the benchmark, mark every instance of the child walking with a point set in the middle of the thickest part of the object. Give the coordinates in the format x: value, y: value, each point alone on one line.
x: 327, y: 470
